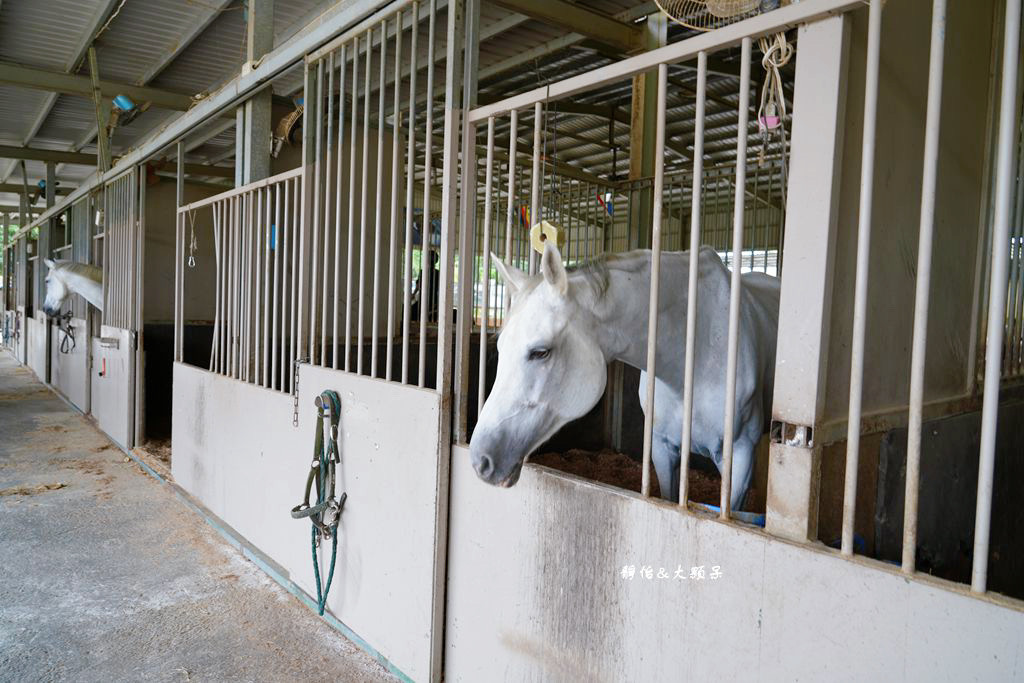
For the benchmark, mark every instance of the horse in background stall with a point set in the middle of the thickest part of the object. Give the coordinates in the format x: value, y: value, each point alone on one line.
x: 564, y: 327
x: 65, y: 277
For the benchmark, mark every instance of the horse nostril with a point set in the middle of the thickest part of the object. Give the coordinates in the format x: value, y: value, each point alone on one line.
x: 484, y: 466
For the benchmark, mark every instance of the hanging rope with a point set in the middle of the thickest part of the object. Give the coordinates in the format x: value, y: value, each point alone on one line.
x: 327, y: 511
x: 193, y: 245
x: 771, y: 114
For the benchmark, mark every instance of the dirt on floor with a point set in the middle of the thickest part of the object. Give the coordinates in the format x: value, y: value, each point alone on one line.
x: 618, y: 469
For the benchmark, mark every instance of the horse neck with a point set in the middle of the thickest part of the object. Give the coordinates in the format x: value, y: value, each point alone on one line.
x: 91, y: 290
x: 623, y: 317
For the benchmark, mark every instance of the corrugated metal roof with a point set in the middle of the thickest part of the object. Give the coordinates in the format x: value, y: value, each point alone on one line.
x: 145, y: 41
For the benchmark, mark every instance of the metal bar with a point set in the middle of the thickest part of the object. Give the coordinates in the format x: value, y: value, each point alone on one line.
x: 736, y: 284
x: 266, y: 182
x: 396, y: 186
x: 338, y: 202
x: 686, y: 438
x: 296, y: 277
x: 535, y: 193
x: 267, y: 236
x: 379, y: 210
x: 275, y: 330
x: 652, y: 315
x: 510, y: 207
x: 410, y: 181
x: 924, y: 279
x: 486, y: 252
x: 328, y: 183
x: 315, y: 255
x: 363, y: 203
x: 351, y: 201
x: 867, y: 178
x: 426, y: 267
x: 997, y: 295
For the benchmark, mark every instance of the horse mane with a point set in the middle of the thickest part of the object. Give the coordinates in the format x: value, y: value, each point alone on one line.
x: 81, y: 269
x: 595, y: 272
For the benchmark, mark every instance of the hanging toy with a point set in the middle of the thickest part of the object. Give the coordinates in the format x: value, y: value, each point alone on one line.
x: 544, y: 231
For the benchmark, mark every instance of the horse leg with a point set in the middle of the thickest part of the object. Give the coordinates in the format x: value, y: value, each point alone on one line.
x: 742, y: 470
x: 665, y: 455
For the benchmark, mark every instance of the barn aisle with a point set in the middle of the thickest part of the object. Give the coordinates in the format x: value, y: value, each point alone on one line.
x: 106, y: 575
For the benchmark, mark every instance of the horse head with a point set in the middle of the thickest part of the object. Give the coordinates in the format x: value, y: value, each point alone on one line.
x: 551, y: 367
x: 56, y: 289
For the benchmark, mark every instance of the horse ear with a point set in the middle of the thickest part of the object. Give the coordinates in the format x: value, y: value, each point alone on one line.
x: 552, y: 268
x: 49, y: 263
x: 513, y: 277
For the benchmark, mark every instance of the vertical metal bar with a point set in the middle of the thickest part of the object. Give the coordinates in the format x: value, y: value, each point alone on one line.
x: 513, y: 135
x: 179, y: 271
x: 363, y: 202
x: 867, y: 177
x: 734, y: 288
x: 215, y: 350
x: 486, y: 253
x: 296, y: 276
x: 349, y: 271
x: 287, y: 284
x: 266, y: 269
x: 924, y: 279
x: 275, y: 329
x: 378, y: 221
x: 396, y: 187
x: 337, y: 205
x: 258, y: 247
x: 426, y: 268
x: 535, y: 198
x: 317, y: 225
x: 328, y: 195
x: 652, y: 315
x: 696, y: 198
x: 410, y: 182
x: 997, y: 296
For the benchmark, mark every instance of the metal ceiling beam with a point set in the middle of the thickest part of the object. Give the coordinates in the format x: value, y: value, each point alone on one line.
x: 17, y: 188
x: 602, y: 28
x: 556, y: 44
x: 71, y: 66
x: 204, y: 15
x: 54, y: 81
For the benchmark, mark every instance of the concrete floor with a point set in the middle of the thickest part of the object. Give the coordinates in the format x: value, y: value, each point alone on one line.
x: 111, y: 577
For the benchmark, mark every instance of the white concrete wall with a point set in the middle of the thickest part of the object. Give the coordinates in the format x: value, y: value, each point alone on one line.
x: 535, y: 593
x: 69, y: 372
x: 235, y: 449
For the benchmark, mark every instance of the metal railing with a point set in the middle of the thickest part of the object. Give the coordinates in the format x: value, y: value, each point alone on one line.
x: 256, y: 238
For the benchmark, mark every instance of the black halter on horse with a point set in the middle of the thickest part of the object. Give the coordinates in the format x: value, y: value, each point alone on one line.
x: 67, y: 342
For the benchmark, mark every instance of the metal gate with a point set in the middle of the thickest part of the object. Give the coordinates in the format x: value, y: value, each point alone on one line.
x: 115, y: 352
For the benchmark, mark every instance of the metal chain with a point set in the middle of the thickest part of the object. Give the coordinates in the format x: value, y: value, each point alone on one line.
x: 295, y: 390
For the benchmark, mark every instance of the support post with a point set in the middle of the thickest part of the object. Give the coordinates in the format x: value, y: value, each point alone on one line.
x: 815, y: 166
x: 102, y: 115
x: 254, y: 117
x: 641, y: 135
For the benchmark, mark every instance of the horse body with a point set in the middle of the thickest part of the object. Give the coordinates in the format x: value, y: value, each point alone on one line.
x: 565, y: 326
x: 65, y: 277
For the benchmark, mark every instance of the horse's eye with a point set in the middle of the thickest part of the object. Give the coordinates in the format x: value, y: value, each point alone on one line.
x: 539, y: 353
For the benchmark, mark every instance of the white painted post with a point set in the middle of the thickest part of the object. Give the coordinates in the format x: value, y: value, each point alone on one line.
x: 805, y: 307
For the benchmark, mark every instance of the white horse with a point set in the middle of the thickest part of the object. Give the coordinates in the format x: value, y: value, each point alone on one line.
x: 65, y: 277
x: 565, y: 326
